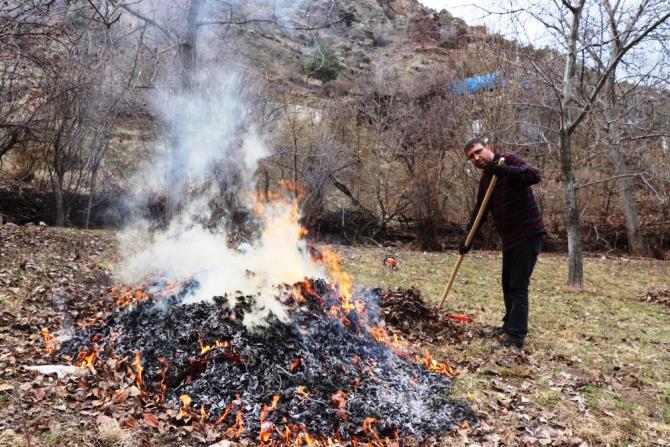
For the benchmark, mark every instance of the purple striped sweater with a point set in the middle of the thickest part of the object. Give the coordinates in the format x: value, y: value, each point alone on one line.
x: 515, y: 213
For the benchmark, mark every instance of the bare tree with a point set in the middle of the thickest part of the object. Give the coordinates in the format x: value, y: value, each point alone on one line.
x: 583, y: 81
x: 25, y: 30
x: 56, y: 61
x: 63, y: 139
x: 615, y: 113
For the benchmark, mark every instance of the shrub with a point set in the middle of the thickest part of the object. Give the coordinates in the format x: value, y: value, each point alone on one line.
x: 323, y: 65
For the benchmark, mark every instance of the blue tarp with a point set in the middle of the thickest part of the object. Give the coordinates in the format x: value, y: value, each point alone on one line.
x: 477, y: 84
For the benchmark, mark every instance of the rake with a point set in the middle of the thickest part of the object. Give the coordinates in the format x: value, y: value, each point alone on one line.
x: 471, y: 235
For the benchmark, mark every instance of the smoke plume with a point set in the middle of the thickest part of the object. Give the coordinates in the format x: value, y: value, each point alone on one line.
x: 205, y: 161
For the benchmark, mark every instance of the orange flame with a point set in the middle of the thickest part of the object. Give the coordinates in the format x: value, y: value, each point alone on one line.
x: 166, y: 366
x: 87, y: 360
x: 279, y: 226
x: 295, y: 196
x: 300, y: 391
x: 297, y: 435
x: 307, y: 287
x: 429, y: 362
x: 372, y: 435
x: 265, y: 435
x: 50, y: 344
x: 293, y: 435
x: 297, y: 295
x: 342, y: 280
x: 125, y: 296
x: 295, y: 364
x: 285, y: 434
x: 236, y: 431
x: 293, y: 187
x: 185, y: 409
x: 204, y: 349
x: 137, y: 363
x: 268, y: 408
x: 339, y: 400
x: 225, y: 414
x: 379, y: 334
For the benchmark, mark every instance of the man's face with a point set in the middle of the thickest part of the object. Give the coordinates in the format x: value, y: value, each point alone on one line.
x: 480, y: 155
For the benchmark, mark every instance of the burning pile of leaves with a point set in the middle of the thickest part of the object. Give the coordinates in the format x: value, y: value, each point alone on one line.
x: 327, y: 377
x: 405, y: 311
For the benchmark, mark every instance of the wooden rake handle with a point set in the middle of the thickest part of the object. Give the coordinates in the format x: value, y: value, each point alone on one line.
x: 471, y: 235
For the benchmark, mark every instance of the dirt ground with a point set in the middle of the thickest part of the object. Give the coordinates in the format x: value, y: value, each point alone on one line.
x: 596, y: 369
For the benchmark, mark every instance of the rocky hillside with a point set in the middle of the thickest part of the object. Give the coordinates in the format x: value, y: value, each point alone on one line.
x: 367, y: 38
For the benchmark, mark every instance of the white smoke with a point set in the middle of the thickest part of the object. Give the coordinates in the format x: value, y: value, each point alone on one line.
x: 187, y: 250
x: 210, y: 138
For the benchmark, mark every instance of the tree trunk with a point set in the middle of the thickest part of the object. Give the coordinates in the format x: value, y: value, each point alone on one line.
x: 628, y: 206
x: 635, y: 245
x: 187, y: 51
x: 91, y: 193
x: 572, y: 220
x: 187, y: 57
x: 57, y: 185
x: 575, y: 267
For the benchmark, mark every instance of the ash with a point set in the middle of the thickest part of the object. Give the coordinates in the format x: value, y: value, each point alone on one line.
x: 329, y: 374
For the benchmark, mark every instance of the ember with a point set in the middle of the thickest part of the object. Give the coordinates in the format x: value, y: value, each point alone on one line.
x: 321, y: 379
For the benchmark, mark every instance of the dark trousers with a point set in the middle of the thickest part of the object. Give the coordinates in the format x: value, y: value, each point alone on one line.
x: 517, y: 266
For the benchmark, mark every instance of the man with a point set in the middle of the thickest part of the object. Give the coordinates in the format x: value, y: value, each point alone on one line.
x: 518, y: 220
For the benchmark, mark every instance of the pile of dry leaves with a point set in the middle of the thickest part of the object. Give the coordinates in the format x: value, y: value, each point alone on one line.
x: 658, y: 296
x: 407, y: 312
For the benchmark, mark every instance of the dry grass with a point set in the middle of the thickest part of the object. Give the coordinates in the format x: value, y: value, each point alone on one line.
x: 111, y: 434
x: 9, y: 302
x: 597, y: 363
x: 8, y: 438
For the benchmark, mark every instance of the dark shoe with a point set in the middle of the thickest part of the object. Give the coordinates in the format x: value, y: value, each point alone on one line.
x: 498, y: 331
x: 513, y: 342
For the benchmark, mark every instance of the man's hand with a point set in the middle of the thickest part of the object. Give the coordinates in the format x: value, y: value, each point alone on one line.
x: 494, y: 169
x: 463, y: 249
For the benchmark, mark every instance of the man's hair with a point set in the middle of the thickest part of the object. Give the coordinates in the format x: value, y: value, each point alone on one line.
x: 474, y: 141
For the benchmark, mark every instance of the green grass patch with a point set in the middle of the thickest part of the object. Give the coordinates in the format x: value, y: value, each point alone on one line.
x: 547, y: 398
x: 57, y: 435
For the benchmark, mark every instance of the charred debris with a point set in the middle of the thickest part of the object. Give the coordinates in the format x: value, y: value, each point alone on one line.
x: 332, y: 375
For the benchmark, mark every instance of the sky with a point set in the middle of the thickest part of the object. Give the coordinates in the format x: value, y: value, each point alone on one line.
x: 478, y: 12
x: 528, y: 30
x: 466, y: 10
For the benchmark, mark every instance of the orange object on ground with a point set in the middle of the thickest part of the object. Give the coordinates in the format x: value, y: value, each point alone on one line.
x: 462, y: 318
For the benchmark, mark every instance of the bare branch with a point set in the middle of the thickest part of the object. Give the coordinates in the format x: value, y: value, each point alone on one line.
x: 595, y: 182
x: 611, y: 66
x: 170, y: 35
